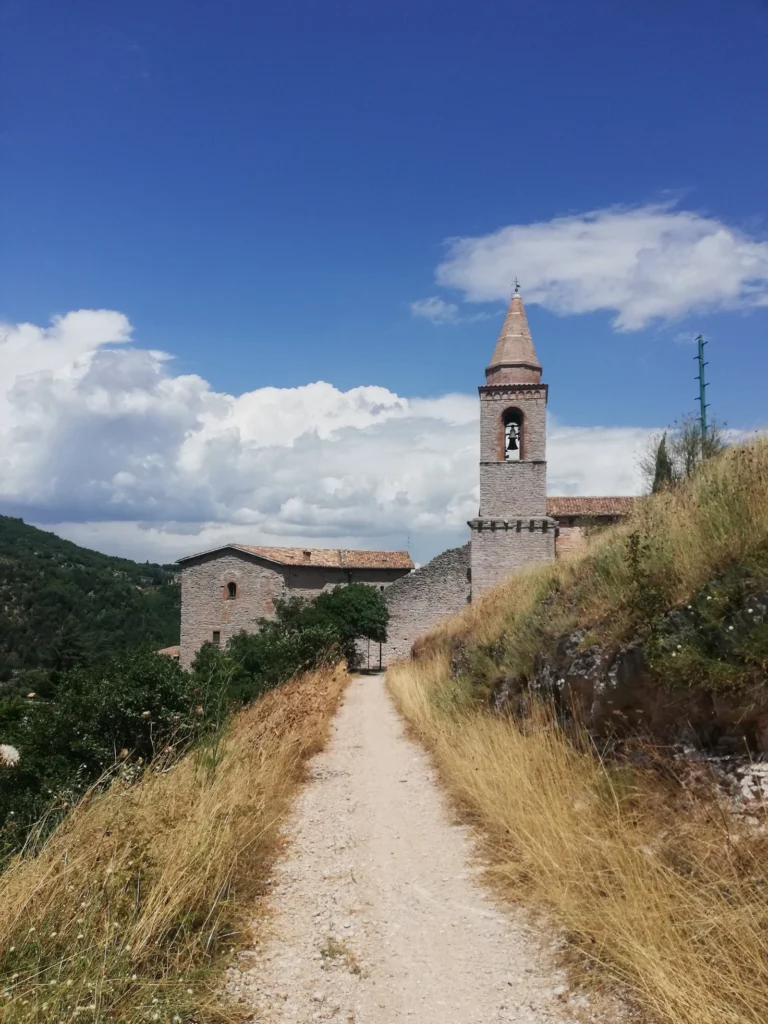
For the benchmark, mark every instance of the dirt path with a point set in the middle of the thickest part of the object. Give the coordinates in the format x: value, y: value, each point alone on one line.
x: 377, y: 912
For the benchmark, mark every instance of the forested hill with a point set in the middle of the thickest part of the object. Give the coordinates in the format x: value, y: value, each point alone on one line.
x: 61, y: 604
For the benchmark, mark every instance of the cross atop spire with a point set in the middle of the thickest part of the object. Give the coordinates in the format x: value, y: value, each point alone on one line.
x: 514, y: 359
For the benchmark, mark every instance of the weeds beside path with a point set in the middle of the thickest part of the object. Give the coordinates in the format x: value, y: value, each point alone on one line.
x: 131, y: 908
x: 668, y: 897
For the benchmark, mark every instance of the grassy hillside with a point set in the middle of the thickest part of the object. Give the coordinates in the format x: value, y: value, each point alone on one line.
x: 131, y: 909
x: 684, y: 582
x: 61, y: 604
x: 656, y: 882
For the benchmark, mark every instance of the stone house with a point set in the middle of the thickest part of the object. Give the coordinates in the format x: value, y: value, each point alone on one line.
x: 229, y: 588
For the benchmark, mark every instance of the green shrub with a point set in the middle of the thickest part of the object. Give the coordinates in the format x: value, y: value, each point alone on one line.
x: 133, y: 705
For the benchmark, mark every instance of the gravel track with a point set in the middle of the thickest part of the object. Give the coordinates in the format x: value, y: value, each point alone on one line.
x: 376, y: 913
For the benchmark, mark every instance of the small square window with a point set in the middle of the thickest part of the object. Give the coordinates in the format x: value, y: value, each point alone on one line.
x: 217, y: 636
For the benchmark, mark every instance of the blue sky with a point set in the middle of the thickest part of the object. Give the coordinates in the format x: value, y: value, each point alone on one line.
x: 264, y: 190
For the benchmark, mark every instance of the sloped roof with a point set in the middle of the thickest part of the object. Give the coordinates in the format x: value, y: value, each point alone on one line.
x: 171, y: 652
x: 514, y: 352
x: 616, y: 506
x: 324, y: 558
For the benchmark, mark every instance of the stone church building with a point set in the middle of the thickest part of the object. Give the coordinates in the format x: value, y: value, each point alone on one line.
x: 227, y: 589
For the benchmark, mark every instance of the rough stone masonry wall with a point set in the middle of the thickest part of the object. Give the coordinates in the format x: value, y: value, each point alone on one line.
x: 510, y: 489
x: 205, y: 606
x: 570, y: 540
x: 418, y: 601
x: 497, y: 553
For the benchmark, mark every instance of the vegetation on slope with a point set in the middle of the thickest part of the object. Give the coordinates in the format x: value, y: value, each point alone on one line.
x: 131, y: 907
x: 122, y: 712
x: 62, y: 605
x: 703, y: 544
x: 655, y: 881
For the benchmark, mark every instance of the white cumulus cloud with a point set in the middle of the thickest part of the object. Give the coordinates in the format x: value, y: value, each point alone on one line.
x: 436, y: 310
x: 102, y: 442
x: 641, y: 264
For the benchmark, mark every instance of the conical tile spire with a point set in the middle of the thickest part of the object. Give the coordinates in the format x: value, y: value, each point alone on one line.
x: 514, y: 359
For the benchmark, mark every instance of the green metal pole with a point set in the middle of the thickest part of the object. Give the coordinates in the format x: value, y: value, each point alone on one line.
x: 702, y: 386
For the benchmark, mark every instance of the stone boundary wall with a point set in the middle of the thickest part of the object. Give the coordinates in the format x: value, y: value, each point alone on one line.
x: 419, y: 600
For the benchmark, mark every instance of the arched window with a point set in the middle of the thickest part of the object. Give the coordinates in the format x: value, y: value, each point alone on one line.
x: 231, y: 591
x: 513, y: 435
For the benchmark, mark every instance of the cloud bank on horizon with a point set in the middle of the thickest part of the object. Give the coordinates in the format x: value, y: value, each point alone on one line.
x: 641, y: 264
x: 102, y: 442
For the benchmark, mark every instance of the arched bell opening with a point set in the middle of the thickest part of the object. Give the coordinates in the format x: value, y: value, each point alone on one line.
x: 512, y: 421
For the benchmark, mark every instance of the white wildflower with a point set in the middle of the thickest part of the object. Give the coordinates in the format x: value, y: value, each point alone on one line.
x: 69, y: 983
x: 190, y: 991
x: 134, y: 977
x: 730, y: 629
x: 9, y: 756
x: 674, y: 654
x: 750, y: 610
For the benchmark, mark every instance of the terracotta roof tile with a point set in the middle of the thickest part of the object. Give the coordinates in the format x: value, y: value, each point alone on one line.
x: 343, y: 558
x: 324, y: 558
x: 172, y: 652
x: 616, y: 506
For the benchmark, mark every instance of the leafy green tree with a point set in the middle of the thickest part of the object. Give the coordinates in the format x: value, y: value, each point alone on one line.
x: 357, y: 611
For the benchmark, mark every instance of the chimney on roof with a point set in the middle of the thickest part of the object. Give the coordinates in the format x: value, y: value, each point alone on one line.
x: 307, y: 556
x: 514, y: 359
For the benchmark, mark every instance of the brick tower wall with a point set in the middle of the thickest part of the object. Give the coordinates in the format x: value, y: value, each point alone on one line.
x: 498, y: 552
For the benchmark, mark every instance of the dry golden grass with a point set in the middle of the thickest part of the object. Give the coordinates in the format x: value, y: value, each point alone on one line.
x: 131, y: 907
x: 668, y: 896
x: 668, y: 893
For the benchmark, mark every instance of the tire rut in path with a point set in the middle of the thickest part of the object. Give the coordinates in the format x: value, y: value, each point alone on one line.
x: 377, y: 914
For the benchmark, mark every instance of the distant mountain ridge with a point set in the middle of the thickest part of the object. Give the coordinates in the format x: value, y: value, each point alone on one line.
x: 59, y: 601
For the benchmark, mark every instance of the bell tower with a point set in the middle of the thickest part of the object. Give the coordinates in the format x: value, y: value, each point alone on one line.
x: 512, y: 528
